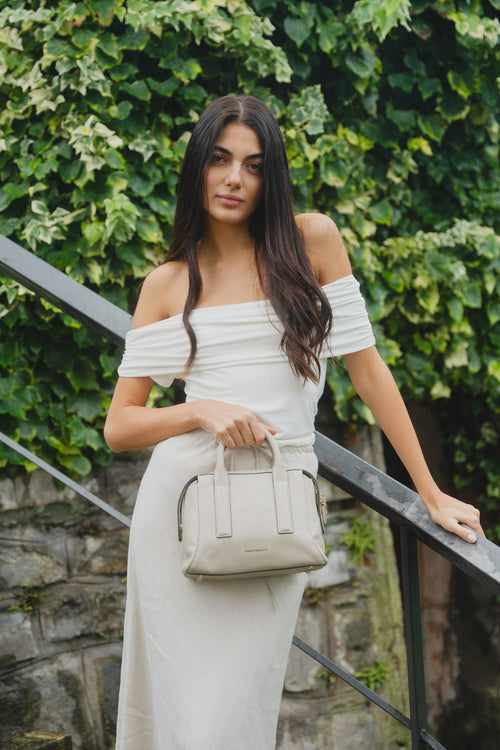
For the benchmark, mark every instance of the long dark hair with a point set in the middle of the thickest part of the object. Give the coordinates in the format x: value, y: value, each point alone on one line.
x: 283, y: 266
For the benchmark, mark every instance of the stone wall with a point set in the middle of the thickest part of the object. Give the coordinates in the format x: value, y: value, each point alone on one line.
x: 62, y: 591
x: 62, y: 571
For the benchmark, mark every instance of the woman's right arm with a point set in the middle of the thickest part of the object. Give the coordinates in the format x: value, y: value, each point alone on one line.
x: 131, y: 424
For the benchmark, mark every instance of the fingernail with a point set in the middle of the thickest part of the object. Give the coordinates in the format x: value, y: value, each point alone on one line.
x: 471, y: 537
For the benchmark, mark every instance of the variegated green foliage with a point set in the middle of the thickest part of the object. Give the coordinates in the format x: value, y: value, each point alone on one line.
x: 390, y: 112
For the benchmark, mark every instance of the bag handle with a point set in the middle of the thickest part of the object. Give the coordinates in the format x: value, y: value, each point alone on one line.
x: 281, y: 490
x: 279, y: 471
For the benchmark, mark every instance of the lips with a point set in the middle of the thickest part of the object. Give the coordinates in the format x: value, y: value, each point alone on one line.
x: 229, y: 200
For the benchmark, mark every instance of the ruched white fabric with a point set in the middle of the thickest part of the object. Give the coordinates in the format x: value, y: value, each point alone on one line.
x: 239, y: 359
x: 204, y: 663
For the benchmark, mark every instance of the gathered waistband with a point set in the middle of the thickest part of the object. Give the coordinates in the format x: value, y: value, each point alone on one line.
x: 258, y: 456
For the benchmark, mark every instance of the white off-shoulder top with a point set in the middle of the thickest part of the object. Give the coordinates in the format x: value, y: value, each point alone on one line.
x: 239, y: 359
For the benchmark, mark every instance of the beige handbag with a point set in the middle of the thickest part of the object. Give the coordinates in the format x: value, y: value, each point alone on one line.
x: 250, y: 523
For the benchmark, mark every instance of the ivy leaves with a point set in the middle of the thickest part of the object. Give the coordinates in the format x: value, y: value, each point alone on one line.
x: 390, y: 116
x: 98, y: 99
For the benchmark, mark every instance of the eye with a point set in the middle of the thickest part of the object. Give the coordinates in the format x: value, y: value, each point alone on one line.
x: 256, y: 167
x: 217, y: 159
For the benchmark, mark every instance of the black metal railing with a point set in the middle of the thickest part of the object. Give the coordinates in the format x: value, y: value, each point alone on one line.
x: 338, y: 465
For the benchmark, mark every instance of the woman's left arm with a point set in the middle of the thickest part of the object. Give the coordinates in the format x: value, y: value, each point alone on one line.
x: 376, y: 386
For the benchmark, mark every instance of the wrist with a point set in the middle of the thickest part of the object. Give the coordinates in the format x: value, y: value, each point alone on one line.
x: 197, y: 413
x: 431, y: 495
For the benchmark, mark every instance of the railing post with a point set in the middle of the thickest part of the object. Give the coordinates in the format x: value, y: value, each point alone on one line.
x: 413, y: 635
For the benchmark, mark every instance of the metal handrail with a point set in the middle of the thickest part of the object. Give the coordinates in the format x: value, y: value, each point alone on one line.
x: 64, y: 479
x: 404, y: 507
x: 349, y: 472
x: 64, y: 292
x: 384, y: 494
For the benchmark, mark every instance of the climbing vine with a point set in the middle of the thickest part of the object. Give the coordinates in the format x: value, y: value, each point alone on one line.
x: 390, y: 112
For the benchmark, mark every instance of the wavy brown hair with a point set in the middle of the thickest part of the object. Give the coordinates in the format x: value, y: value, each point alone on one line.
x: 283, y: 266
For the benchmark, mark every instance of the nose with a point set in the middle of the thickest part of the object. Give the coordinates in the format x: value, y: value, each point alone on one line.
x: 233, y: 177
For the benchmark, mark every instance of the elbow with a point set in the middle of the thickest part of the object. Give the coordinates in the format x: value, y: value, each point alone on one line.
x: 113, y: 437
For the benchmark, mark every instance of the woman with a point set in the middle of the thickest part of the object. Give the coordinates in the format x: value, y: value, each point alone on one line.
x: 246, y: 309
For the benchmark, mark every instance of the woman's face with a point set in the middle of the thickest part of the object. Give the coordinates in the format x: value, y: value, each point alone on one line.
x: 233, y: 180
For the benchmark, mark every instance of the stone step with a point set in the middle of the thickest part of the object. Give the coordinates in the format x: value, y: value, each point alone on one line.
x: 14, y: 738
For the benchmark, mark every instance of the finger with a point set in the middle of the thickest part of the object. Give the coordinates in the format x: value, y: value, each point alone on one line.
x: 464, y: 533
x: 226, y: 439
x: 227, y: 436
x: 476, y: 523
x: 250, y: 429
x: 233, y: 433
x: 454, y: 525
x: 237, y: 438
x: 261, y: 430
x: 472, y: 519
x: 247, y: 431
x: 260, y: 433
x: 270, y: 429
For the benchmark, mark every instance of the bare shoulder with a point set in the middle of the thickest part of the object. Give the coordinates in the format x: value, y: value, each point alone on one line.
x: 315, y: 225
x: 324, y: 247
x: 163, y: 294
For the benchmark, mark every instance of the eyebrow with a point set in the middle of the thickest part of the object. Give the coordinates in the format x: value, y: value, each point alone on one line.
x: 226, y: 151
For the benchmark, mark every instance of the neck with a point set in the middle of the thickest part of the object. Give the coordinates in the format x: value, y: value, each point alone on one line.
x: 226, y: 241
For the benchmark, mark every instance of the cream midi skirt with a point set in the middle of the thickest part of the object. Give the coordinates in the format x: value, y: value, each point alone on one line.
x: 203, y: 662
